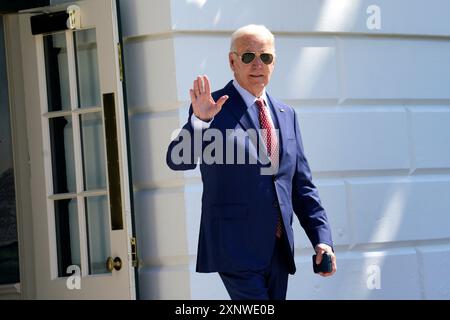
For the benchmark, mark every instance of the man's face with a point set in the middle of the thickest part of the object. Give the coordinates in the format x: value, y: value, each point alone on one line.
x: 256, y: 75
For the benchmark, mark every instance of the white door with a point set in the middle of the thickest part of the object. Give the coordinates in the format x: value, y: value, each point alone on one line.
x: 78, y: 155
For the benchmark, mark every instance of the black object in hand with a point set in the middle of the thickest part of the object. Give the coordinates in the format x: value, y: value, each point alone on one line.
x: 325, y: 266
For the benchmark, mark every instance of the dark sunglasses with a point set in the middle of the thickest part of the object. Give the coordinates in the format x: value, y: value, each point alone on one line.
x: 248, y: 57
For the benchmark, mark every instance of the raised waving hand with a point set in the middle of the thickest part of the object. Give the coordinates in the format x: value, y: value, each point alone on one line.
x: 203, y: 104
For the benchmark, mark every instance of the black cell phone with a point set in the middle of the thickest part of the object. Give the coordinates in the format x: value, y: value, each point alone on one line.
x: 325, y: 266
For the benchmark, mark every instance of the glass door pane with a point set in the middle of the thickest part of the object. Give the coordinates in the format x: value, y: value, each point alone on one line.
x: 67, y: 235
x: 87, y: 68
x: 97, y: 225
x: 57, y: 72
x: 62, y: 149
x: 93, y: 148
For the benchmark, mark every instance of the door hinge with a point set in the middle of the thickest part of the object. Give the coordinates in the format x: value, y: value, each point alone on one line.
x: 134, y: 258
x: 119, y: 52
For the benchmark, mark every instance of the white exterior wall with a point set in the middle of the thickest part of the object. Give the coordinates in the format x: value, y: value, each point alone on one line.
x: 374, y: 111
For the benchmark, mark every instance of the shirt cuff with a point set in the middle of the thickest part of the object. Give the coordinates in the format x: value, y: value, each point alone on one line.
x: 198, y: 124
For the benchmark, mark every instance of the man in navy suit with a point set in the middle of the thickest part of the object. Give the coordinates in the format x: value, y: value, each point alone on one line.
x: 255, y: 175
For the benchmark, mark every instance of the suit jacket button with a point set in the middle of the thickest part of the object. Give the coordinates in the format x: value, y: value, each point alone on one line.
x: 275, y: 204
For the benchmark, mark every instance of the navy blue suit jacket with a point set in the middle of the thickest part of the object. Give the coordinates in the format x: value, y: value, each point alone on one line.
x: 240, y: 206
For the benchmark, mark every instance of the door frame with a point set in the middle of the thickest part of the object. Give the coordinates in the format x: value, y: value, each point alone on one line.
x: 22, y: 172
x: 22, y: 167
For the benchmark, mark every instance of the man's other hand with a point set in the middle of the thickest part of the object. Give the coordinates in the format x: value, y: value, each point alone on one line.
x: 321, y: 248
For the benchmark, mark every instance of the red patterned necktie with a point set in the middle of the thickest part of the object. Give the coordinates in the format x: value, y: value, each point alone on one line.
x: 270, y: 139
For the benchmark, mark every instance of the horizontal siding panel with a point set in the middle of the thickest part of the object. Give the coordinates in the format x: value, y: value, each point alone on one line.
x: 431, y: 137
x: 145, y: 17
x: 305, y: 67
x: 397, y: 17
x: 399, y: 277
x: 150, y: 138
x: 170, y: 283
x: 436, y: 263
x: 349, y: 140
x: 394, y: 68
x: 333, y: 199
x: 199, y: 55
x: 151, y: 75
x: 193, y: 206
x: 407, y: 210
x: 160, y: 216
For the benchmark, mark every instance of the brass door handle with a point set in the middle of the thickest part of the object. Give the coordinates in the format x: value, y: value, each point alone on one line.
x: 115, y: 263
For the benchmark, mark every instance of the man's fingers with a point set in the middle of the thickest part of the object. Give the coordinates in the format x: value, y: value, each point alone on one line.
x: 325, y: 274
x: 319, y: 257
x: 201, y: 84
x: 328, y: 273
x: 191, y: 93
x: 221, y: 101
x: 207, y: 85
x: 196, y: 88
x: 333, y: 263
x: 333, y: 267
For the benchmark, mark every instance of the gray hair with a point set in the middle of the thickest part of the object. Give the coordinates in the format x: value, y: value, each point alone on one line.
x: 251, y: 29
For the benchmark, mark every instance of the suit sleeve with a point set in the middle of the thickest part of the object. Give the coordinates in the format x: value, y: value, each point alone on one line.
x: 305, y: 198
x: 183, y: 151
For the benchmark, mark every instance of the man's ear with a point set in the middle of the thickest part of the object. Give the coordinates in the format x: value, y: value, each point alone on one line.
x: 231, y: 60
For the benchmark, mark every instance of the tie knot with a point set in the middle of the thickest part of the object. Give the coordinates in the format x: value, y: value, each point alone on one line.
x: 260, y: 102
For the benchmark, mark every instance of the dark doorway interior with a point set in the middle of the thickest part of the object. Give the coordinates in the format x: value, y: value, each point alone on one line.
x: 9, y: 257
x: 10, y: 6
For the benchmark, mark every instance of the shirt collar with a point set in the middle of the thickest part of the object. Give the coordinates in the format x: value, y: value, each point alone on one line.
x: 249, y: 98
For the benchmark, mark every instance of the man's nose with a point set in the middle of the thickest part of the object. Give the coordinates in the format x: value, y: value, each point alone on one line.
x: 257, y: 62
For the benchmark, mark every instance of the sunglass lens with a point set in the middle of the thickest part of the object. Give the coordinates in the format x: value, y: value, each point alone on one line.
x: 248, y: 57
x: 267, y: 58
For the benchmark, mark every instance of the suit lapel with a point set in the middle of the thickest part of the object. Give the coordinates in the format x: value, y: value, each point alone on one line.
x: 238, y: 109
x: 280, y: 113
